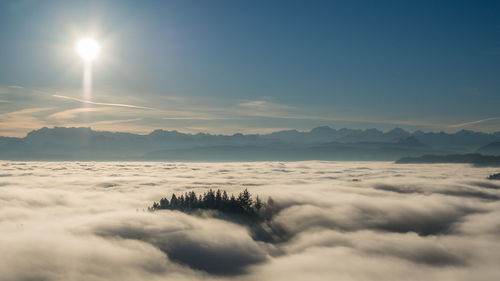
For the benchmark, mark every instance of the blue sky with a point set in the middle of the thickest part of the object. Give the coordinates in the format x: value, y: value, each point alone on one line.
x: 252, y: 66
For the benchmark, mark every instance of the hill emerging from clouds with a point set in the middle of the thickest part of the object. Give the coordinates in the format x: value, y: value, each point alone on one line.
x: 321, y: 143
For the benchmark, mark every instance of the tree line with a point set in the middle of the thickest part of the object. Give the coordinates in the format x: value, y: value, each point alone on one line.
x: 219, y: 200
x: 494, y: 176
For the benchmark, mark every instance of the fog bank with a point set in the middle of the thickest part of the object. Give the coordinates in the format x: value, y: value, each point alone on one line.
x: 336, y: 220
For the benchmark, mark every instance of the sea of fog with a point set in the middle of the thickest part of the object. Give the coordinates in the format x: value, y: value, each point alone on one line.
x: 339, y: 221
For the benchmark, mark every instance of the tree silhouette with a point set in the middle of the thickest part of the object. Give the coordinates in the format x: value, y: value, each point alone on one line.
x: 173, y: 202
x: 245, y: 200
x: 258, y: 203
x: 494, y: 176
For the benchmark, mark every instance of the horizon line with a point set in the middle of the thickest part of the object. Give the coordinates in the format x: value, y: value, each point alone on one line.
x: 252, y: 134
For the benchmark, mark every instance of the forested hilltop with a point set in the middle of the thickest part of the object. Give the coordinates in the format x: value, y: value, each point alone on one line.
x: 242, y: 206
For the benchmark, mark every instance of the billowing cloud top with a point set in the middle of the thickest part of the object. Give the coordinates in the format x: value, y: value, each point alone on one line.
x: 343, y: 221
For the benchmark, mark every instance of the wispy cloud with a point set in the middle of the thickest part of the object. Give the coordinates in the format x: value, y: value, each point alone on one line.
x: 121, y: 125
x: 263, y: 108
x: 111, y: 122
x: 261, y: 105
x: 103, y: 103
x: 267, y: 109
x: 17, y: 123
x: 72, y: 113
x: 467, y: 124
x: 185, y: 113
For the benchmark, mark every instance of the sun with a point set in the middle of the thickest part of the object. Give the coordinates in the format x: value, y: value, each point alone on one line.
x: 88, y: 49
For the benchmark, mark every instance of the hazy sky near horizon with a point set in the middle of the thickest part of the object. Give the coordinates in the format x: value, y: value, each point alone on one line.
x: 252, y: 66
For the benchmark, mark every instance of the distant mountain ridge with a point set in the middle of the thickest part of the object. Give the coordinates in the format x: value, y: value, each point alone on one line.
x: 472, y: 158
x: 491, y: 149
x: 321, y: 143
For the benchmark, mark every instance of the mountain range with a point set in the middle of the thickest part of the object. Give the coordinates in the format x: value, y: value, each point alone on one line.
x: 321, y: 143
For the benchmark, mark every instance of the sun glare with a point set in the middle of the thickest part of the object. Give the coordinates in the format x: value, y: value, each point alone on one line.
x: 88, y: 49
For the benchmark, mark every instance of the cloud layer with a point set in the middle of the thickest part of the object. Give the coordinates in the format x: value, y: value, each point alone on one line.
x: 342, y: 221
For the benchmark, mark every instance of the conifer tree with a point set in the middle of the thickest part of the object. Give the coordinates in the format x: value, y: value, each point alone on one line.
x: 245, y: 200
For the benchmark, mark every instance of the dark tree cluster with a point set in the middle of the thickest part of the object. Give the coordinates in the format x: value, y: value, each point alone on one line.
x: 494, y: 176
x: 242, y: 206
